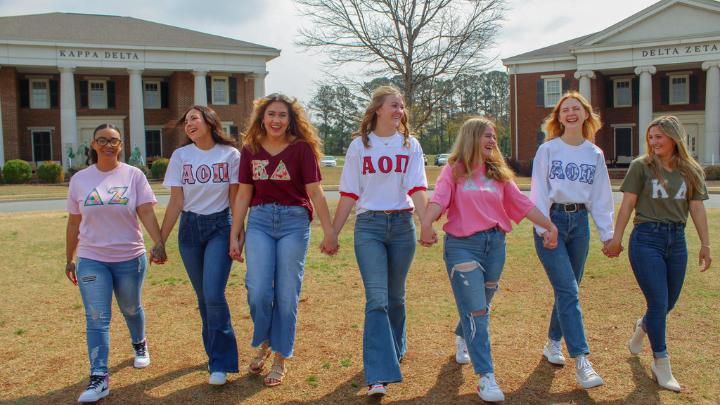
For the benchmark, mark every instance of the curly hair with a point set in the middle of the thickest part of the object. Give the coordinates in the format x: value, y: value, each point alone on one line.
x: 465, y: 157
x: 299, y: 125
x: 211, y: 118
x: 553, y: 128
x: 369, y: 121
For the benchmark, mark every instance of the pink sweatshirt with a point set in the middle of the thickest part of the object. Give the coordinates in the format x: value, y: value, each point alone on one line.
x: 478, y: 203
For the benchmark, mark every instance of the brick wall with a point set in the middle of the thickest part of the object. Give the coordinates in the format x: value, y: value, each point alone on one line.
x: 40, y: 117
x: 10, y: 99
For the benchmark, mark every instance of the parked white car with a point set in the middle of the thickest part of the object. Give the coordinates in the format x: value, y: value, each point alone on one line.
x: 442, y: 159
x: 328, y: 161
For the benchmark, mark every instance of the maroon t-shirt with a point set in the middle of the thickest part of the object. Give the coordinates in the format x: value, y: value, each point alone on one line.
x: 281, y: 178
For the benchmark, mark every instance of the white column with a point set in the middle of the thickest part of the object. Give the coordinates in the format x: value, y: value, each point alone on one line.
x: 712, y: 111
x: 645, y: 110
x: 584, y: 76
x: 68, y: 114
x: 137, y: 114
x: 2, y: 140
x: 200, y: 87
x: 259, y: 80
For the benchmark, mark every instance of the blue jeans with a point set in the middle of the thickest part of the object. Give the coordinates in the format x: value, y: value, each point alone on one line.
x: 276, y: 244
x: 204, y: 243
x: 658, y: 256
x: 384, y: 249
x: 97, y: 281
x: 472, y: 263
x: 564, y: 266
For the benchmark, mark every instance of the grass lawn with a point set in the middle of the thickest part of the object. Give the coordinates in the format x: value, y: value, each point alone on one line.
x: 44, y: 357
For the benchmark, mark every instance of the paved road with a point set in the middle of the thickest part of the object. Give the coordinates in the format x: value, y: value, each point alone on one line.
x: 45, y: 205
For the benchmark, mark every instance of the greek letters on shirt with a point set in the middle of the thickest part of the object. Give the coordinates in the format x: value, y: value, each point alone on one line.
x: 658, y: 191
x: 259, y: 172
x: 118, y: 197
x: 584, y: 173
x: 470, y: 184
x: 385, y: 164
x: 203, y: 174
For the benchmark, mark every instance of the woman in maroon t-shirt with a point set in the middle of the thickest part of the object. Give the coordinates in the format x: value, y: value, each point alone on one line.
x: 279, y: 176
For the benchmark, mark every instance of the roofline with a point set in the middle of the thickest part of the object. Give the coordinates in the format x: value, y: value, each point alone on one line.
x: 537, y: 59
x: 715, y: 36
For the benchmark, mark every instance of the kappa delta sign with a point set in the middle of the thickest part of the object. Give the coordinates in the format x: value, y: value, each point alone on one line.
x: 98, y: 54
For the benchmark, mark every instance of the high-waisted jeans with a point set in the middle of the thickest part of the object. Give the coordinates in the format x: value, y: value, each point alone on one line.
x: 276, y: 245
x: 658, y: 256
x: 97, y: 281
x: 204, y: 243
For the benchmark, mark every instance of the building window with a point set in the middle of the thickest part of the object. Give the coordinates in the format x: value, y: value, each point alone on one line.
x: 623, y: 93
x: 553, y: 92
x: 623, y: 145
x: 42, y: 146
x: 151, y: 92
x: 220, y: 90
x: 679, y: 89
x: 98, y: 95
x: 153, y: 142
x: 39, y: 94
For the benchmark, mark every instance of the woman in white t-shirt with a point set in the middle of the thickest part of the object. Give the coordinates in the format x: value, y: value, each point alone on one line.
x: 203, y: 180
x: 384, y: 177
x: 103, y: 205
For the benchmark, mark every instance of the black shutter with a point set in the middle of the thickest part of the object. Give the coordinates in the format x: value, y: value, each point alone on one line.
x: 232, y: 87
x: 566, y: 86
x: 110, y: 94
x: 84, y: 99
x: 208, y: 87
x: 694, y: 89
x: 540, y: 93
x: 54, y: 94
x: 234, y: 132
x: 665, y: 91
x: 635, y: 84
x: 24, y: 93
x: 540, y: 137
x: 164, y: 95
x: 610, y: 94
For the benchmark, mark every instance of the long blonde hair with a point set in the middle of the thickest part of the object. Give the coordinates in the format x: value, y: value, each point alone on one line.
x: 681, y: 160
x: 553, y: 128
x: 465, y: 157
x: 369, y: 121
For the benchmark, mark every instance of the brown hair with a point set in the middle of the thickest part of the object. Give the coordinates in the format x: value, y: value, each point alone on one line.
x: 369, y: 121
x: 553, y: 128
x: 211, y: 118
x: 299, y: 125
x: 465, y: 156
x: 93, y: 152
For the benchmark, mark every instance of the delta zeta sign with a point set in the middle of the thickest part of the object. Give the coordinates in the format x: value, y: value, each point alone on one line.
x: 679, y: 50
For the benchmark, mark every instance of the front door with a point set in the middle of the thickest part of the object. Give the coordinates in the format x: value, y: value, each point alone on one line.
x: 692, y: 132
x: 623, y: 145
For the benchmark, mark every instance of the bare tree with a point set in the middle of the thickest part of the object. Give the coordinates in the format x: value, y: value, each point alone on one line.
x: 422, y: 41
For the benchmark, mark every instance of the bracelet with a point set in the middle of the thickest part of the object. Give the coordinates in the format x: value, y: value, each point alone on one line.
x: 707, y: 246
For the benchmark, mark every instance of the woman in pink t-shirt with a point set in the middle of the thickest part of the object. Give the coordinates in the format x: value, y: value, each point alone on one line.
x: 477, y: 191
x: 103, y: 205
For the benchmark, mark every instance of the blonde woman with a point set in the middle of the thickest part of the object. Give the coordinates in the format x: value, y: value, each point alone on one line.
x: 477, y: 191
x: 569, y: 182
x: 662, y: 187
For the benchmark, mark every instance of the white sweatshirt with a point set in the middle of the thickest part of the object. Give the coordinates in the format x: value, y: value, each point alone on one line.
x: 569, y: 174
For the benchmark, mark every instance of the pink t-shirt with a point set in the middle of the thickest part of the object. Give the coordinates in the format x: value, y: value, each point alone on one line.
x: 478, y: 203
x: 107, y: 201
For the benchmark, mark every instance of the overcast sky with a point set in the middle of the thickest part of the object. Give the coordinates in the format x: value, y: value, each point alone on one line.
x: 531, y: 24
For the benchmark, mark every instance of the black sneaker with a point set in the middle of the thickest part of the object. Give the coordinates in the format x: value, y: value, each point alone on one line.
x: 99, y: 387
x: 142, y: 356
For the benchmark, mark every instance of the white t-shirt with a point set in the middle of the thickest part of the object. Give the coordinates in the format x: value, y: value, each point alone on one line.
x: 204, y: 175
x: 569, y: 174
x: 383, y: 176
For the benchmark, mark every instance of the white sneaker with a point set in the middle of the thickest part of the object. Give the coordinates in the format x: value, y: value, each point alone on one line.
x: 488, y: 389
x: 99, y: 387
x: 585, y: 375
x: 377, y: 390
x: 462, y: 355
x: 142, y: 356
x: 218, y: 378
x: 553, y: 352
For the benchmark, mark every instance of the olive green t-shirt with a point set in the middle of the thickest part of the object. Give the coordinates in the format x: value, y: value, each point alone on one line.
x: 654, y: 203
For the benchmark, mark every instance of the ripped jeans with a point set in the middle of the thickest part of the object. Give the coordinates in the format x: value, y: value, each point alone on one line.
x: 97, y: 281
x: 475, y: 264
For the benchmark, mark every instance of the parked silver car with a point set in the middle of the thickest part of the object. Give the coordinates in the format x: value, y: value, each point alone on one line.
x: 328, y: 161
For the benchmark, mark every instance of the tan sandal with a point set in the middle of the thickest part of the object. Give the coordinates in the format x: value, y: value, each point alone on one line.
x: 258, y: 363
x: 275, y: 376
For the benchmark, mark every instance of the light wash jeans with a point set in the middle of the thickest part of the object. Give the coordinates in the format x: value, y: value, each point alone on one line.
x: 384, y: 249
x: 658, y: 256
x: 204, y: 243
x: 276, y: 245
x: 564, y: 266
x: 472, y: 263
x: 97, y: 281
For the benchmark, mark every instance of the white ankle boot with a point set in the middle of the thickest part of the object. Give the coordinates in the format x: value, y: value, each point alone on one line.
x: 662, y: 374
x: 636, y: 342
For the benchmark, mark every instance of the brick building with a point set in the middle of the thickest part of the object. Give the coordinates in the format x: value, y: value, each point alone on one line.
x: 62, y: 74
x: 661, y: 61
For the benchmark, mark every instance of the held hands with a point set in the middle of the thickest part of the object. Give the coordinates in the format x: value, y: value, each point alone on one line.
x: 612, y: 247
x: 705, y: 255
x: 70, y: 272
x: 157, y: 254
x: 550, y: 238
x: 236, y: 247
x: 428, y: 236
x: 329, y: 245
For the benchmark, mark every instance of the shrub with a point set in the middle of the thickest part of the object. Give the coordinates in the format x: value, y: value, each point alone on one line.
x: 712, y: 173
x: 1, y: 178
x: 526, y: 167
x: 74, y: 169
x: 159, y: 167
x: 50, y: 172
x: 17, y: 172
x: 143, y: 169
x: 514, y: 165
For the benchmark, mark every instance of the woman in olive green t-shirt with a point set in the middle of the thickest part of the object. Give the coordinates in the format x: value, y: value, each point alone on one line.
x: 662, y: 187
